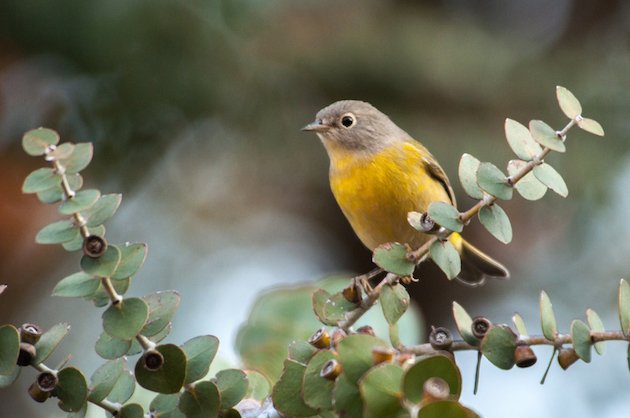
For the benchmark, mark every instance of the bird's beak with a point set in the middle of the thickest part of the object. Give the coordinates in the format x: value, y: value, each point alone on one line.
x: 316, y: 126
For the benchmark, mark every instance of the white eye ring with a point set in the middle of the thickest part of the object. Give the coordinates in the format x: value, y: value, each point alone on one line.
x: 348, y: 120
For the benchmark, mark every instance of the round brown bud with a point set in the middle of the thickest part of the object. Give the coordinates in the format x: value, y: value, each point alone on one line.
x: 524, y: 356
x: 352, y: 293
x: 320, y: 339
x: 37, y: 394
x: 27, y: 354
x: 435, y: 389
x: 338, y: 335
x: 405, y: 357
x: 30, y: 333
x: 94, y: 246
x: 153, y: 360
x: 330, y: 370
x: 440, y: 338
x: 566, y: 357
x: 366, y: 329
x: 47, y: 381
x: 383, y: 355
x: 480, y: 325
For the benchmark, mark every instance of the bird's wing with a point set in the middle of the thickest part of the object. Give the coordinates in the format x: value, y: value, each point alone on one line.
x: 438, y: 173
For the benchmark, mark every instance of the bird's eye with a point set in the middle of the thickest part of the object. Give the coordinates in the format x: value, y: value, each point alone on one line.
x: 348, y: 120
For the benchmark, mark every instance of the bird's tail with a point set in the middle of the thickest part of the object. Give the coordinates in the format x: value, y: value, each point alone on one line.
x: 476, y: 266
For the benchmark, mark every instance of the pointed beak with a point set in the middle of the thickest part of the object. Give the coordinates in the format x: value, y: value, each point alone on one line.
x: 316, y: 126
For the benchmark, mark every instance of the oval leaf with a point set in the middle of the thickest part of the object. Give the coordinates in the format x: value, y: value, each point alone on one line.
x: 72, y: 389
x: 394, y: 301
x: 200, y: 352
x: 355, y: 354
x: 569, y: 104
x: 551, y: 178
x: 49, y: 341
x: 521, y: 140
x: 596, y: 324
x: 123, y: 389
x: 162, y: 307
x: 79, y: 159
x: 76, y: 285
x: 546, y: 136
x: 381, y: 390
x: 520, y: 325
x: 493, y: 181
x: 592, y: 126
x: 496, y: 221
x: 347, y: 399
x: 547, y: 317
x: 104, y: 379
x: 259, y: 387
x: 446, y: 257
x: 498, y: 345
x: 392, y: 257
x: 81, y: 201
x: 317, y: 390
x: 426, y: 368
x: 200, y: 401
x: 169, y: 378
x: 468, y: 166
x: 40, y: 180
x: 132, y: 257
x: 9, y: 349
x: 36, y: 141
x: 464, y: 324
x: 163, y: 404
x: 102, y: 210
x: 111, y: 348
x: 624, y: 307
x: 528, y: 186
x: 287, y: 393
x: 132, y: 410
x: 581, y: 336
x: 105, y: 265
x: 124, y: 320
x: 232, y: 384
x: 57, y: 233
x: 446, y: 215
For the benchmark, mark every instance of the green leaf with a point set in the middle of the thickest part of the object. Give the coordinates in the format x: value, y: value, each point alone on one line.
x: 444, y: 409
x: 132, y: 257
x: 596, y: 324
x: 105, y: 265
x: 162, y: 307
x: 468, y: 167
x: 446, y: 215
x: 72, y: 389
x: 355, y: 354
x: 496, y: 221
x: 200, y: 352
x: 200, y: 401
x: 446, y: 257
x: 547, y: 317
x: 81, y: 201
x: 49, y: 341
x: 591, y: 126
x: 317, y: 390
x: 569, y: 104
x: 381, y: 390
x: 551, y: 178
x: 104, y: 379
x: 232, y: 384
x: 498, y: 345
x: 111, y: 348
x: 493, y: 181
x: 125, y: 319
x: 162, y: 404
x: 9, y: 349
x: 336, y: 308
x: 259, y: 387
x: 132, y: 410
x: 36, y: 141
x: 319, y: 300
x: 581, y: 336
x: 170, y: 377
x: 40, y: 180
x: 301, y: 351
x: 102, y: 210
x: 464, y: 324
x: 79, y: 159
x: 521, y: 140
x: 123, y: 389
x: 546, y: 136
x: 77, y: 243
x: 56, y: 193
x: 347, y: 398
x: 394, y: 301
x: 392, y: 257
x: 9, y: 379
x: 427, y: 367
x: 528, y: 186
x: 57, y: 233
x: 520, y: 325
x: 60, y: 152
x: 76, y: 285
x: 287, y: 393
x: 624, y: 307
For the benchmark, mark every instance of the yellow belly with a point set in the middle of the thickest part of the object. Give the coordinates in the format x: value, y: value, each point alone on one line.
x: 376, y: 192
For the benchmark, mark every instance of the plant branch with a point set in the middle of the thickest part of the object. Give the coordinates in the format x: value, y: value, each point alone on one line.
x: 367, y: 302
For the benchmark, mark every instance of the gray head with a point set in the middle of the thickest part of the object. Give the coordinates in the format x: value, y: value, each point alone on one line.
x: 355, y: 125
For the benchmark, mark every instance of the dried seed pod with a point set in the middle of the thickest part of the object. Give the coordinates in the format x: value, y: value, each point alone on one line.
x: 435, y: 389
x: 524, y: 356
x: 94, y: 246
x: 152, y: 360
x: 47, y: 381
x: 383, y: 355
x: 480, y: 325
x: 566, y: 357
x: 27, y: 354
x: 366, y: 329
x: 440, y: 338
x: 331, y: 369
x: 352, y: 293
x: 405, y: 357
x: 37, y: 394
x: 320, y: 339
x: 30, y: 333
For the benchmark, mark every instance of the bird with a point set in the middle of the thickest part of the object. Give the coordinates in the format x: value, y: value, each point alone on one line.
x: 379, y: 173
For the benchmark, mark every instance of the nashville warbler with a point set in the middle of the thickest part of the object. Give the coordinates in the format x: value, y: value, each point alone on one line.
x: 379, y: 173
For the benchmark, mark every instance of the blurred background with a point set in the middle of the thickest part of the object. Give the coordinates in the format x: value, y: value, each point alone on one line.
x: 195, y: 109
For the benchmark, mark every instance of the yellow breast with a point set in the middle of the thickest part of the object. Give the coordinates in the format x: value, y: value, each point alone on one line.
x: 375, y: 192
